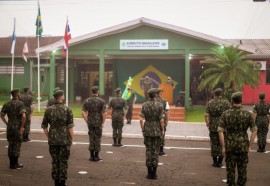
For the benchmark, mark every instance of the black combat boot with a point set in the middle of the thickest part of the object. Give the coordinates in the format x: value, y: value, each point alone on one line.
x: 119, y: 143
x: 56, y: 183
x: 97, y: 158
x: 154, y: 173
x: 161, y: 151
x: 17, y: 165
x: 220, y: 159
x: 149, y: 170
x: 114, y: 142
x: 11, y: 162
x: 259, y: 149
x: 263, y: 148
x: 215, y: 163
x: 92, y: 157
x: 63, y: 183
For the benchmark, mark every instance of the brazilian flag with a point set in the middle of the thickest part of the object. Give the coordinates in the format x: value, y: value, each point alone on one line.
x: 39, y: 29
x: 126, y: 94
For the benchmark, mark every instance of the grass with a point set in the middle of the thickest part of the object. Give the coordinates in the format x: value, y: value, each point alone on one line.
x: 195, y: 114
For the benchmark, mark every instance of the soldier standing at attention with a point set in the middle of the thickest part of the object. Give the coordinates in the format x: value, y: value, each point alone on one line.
x: 146, y: 86
x: 94, y: 114
x: 261, y: 116
x: 28, y: 101
x: 153, y: 128
x: 15, y: 127
x: 214, y: 110
x: 60, y: 136
x: 164, y: 103
x: 52, y: 100
x: 236, y: 145
x: 118, y: 106
x: 131, y: 99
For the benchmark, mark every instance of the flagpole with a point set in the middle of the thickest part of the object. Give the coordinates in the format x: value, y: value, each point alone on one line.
x: 13, y: 52
x: 67, y: 78
x: 38, y: 98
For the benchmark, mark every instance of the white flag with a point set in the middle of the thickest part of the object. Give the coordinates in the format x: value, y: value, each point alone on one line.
x: 25, y: 51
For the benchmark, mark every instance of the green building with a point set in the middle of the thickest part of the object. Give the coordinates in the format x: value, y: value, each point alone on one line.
x: 133, y: 49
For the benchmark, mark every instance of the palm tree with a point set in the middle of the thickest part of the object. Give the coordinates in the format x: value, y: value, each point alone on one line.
x: 230, y: 67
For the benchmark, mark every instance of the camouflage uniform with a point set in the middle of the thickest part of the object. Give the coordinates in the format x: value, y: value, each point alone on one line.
x: 28, y: 100
x: 214, y: 110
x: 163, y: 102
x: 60, y: 118
x: 262, y: 122
x: 129, y: 104
x: 95, y: 107
x: 236, y: 122
x: 14, y: 110
x: 51, y: 102
x: 153, y: 112
x: 118, y: 106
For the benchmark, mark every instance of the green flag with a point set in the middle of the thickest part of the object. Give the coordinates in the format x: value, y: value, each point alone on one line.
x: 39, y: 23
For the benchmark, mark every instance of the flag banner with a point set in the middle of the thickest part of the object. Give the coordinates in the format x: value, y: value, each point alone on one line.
x: 67, y: 37
x: 39, y: 28
x: 126, y: 94
x: 25, y: 51
x: 13, y: 40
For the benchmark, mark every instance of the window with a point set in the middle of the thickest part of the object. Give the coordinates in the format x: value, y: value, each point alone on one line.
x: 60, y: 74
x: 18, y: 69
x: 267, y: 73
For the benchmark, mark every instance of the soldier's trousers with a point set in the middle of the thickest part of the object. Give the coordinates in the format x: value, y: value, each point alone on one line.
x: 117, y: 128
x: 152, y: 145
x: 262, y: 133
x: 163, y: 137
x: 216, y: 149
x: 240, y: 161
x: 146, y: 96
x: 14, y: 149
x: 94, y: 134
x: 60, y: 156
x: 27, y: 126
x: 129, y: 113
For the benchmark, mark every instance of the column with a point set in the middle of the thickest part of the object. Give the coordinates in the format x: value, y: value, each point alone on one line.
x: 187, y: 79
x: 52, y: 74
x: 101, y: 72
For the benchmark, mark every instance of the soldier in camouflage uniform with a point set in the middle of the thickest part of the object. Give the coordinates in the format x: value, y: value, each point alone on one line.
x: 165, y: 108
x: 146, y: 86
x: 118, y: 106
x: 28, y: 101
x: 60, y: 136
x: 15, y: 127
x: 52, y: 100
x: 261, y: 114
x: 153, y: 128
x: 236, y: 145
x: 214, y: 110
x: 130, y: 102
x: 94, y: 114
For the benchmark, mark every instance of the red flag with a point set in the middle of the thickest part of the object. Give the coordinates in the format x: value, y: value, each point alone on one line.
x: 67, y: 37
x: 25, y: 51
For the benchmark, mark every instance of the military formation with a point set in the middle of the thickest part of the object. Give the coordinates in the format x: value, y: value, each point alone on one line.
x: 228, y: 124
x: 226, y: 121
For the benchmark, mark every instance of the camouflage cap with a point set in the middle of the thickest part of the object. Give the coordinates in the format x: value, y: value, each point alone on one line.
x: 25, y: 89
x: 158, y: 90
x: 58, y: 93
x: 95, y: 88
x: 218, y: 90
x: 261, y: 94
x: 152, y: 91
x: 236, y: 95
x: 55, y: 89
x: 117, y: 90
x: 14, y: 90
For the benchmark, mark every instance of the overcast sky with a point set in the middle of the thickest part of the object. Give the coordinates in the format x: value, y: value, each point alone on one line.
x: 221, y: 18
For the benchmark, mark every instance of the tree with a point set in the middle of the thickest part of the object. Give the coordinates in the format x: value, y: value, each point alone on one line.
x: 231, y: 68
